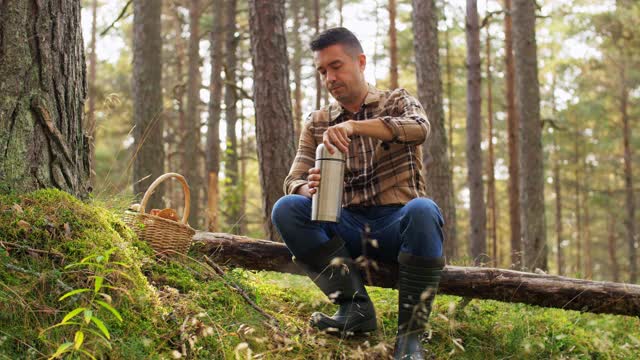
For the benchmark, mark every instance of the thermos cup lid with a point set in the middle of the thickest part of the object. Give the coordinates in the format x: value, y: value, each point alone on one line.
x: 322, y: 153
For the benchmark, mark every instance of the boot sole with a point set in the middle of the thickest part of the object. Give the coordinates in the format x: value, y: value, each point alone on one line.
x: 357, y: 329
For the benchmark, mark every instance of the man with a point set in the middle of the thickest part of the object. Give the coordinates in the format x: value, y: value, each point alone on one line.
x: 381, y: 133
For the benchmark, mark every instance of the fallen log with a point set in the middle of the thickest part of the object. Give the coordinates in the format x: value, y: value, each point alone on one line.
x: 475, y: 282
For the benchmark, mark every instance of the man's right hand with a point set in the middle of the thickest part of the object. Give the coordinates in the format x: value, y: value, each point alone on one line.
x: 311, y: 187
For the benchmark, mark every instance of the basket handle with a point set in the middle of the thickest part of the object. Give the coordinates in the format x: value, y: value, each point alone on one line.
x: 185, y: 188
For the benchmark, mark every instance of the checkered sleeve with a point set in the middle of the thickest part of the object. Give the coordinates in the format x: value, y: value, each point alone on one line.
x: 304, y: 160
x: 408, y: 121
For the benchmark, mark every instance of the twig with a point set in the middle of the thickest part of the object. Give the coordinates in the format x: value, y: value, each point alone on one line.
x: 23, y: 247
x: 237, y: 288
x: 124, y: 10
x: 37, y: 274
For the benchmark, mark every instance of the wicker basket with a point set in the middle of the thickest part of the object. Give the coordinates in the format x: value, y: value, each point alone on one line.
x: 165, y: 236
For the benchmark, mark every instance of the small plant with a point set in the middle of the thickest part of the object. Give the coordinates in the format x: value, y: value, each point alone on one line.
x: 87, y: 318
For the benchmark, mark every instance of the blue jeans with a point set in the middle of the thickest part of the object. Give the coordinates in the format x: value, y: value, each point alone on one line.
x: 415, y: 228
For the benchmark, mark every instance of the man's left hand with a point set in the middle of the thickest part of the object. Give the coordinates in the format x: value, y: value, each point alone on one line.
x: 338, y: 136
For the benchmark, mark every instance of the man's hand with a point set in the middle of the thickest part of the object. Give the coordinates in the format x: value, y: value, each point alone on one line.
x: 310, y: 188
x: 337, y: 136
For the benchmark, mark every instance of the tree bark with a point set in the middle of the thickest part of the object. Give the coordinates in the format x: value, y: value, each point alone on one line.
x: 512, y: 142
x: 481, y: 283
x: 297, y: 70
x: 213, y: 129
x: 558, y: 190
x: 578, y: 204
x: 272, y: 101
x: 491, y: 178
x: 91, y: 114
x: 191, y: 145
x: 478, y: 217
x: 611, y: 241
x: 43, y: 87
x: 316, y: 24
x: 531, y: 160
x: 436, y: 160
x: 393, y: 45
x: 628, y: 178
x: 232, y: 170
x: 148, y: 163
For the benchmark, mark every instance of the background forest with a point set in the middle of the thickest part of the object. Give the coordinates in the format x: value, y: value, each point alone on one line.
x: 587, y: 56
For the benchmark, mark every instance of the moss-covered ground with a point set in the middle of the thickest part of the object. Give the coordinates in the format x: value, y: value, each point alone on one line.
x: 52, y: 244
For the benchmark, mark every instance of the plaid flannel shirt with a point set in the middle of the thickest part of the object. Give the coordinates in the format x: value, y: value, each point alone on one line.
x: 377, y: 172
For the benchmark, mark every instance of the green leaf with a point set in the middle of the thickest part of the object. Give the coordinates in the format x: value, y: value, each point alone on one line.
x: 121, y: 264
x: 72, y: 292
x: 110, y: 308
x: 99, y: 258
x: 83, y: 264
x: 101, y: 326
x: 108, y: 253
x: 63, y: 348
x: 88, y: 257
x: 78, y: 340
x: 88, y: 354
x: 100, y: 336
x: 71, y: 314
x: 98, y: 284
x: 58, y: 325
x: 87, y: 315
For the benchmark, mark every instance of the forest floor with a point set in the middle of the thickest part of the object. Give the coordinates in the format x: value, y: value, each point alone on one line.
x: 75, y: 281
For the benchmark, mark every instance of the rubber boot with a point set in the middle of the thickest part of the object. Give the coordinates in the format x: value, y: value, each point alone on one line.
x: 335, y: 273
x: 418, y: 281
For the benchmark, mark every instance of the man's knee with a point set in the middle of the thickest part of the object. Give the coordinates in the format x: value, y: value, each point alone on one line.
x: 287, y: 206
x: 424, y: 208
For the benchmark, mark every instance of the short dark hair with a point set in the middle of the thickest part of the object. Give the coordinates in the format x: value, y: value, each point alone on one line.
x: 337, y: 35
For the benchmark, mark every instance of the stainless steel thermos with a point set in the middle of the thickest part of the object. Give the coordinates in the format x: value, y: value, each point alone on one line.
x: 326, y: 202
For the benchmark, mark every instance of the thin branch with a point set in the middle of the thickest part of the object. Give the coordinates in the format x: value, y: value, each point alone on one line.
x: 120, y: 17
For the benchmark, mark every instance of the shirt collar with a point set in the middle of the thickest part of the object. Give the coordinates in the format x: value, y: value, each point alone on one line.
x: 373, y: 96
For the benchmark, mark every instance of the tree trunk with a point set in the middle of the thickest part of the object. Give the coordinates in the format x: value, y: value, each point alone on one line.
x: 148, y: 163
x: 558, y: 190
x: 491, y: 179
x: 628, y: 178
x: 340, y: 6
x: 213, y: 129
x: 531, y: 160
x: 232, y: 194
x: 91, y: 114
x: 436, y: 160
x: 481, y: 283
x: 611, y: 240
x: 449, y: 70
x: 177, y: 156
x: 513, y: 143
x: 272, y: 101
x: 478, y: 217
x: 43, y: 87
x: 578, y: 205
x: 393, y: 46
x: 316, y: 24
x: 297, y: 70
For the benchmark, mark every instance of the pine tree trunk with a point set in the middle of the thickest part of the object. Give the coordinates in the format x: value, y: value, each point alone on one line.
x: 531, y: 160
x: 449, y: 103
x: 191, y: 145
x: 91, y: 113
x: 611, y: 240
x: 148, y: 163
x: 478, y: 217
x: 513, y: 142
x: 272, y: 101
x: 316, y: 24
x: 232, y: 171
x: 628, y: 179
x: 213, y: 130
x: 491, y: 179
x: 557, y: 188
x: 340, y: 6
x: 176, y: 153
x: 43, y: 87
x: 297, y: 70
x: 393, y: 46
x: 436, y: 160
x: 578, y: 205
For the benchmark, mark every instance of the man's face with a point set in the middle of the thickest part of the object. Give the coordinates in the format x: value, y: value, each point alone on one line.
x: 341, y: 73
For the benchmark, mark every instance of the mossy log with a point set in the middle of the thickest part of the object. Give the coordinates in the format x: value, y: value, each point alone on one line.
x: 474, y: 282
